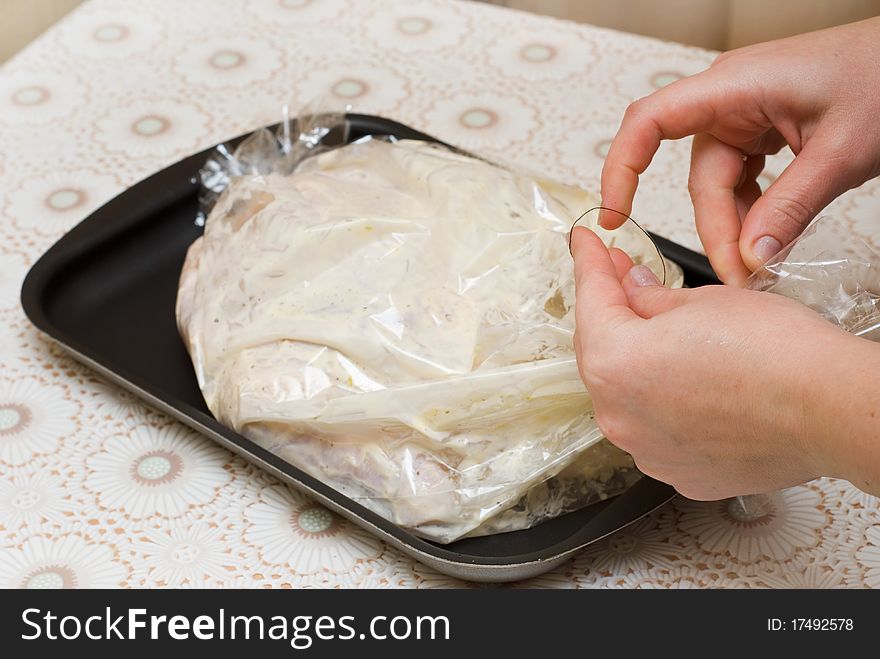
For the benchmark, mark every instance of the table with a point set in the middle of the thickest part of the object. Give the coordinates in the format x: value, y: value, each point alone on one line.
x: 97, y: 489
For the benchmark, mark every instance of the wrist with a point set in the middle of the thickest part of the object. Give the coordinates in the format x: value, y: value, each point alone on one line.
x: 843, y: 428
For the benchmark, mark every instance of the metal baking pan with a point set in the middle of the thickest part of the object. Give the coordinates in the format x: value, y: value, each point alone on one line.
x: 106, y: 293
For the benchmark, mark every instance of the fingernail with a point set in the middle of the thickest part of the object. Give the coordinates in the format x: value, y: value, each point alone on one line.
x: 642, y: 276
x: 765, y: 248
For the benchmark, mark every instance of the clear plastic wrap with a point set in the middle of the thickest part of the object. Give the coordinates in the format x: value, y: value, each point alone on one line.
x: 833, y: 272
x: 396, y: 319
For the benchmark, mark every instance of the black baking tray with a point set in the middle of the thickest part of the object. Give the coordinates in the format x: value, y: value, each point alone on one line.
x: 106, y: 292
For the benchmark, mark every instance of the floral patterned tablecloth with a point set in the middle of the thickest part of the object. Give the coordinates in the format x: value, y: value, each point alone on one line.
x: 97, y: 489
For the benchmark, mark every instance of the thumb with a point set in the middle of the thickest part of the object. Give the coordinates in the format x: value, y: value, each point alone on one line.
x: 647, y: 296
x: 812, y: 181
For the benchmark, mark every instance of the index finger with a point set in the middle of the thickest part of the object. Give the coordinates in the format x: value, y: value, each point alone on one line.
x: 600, y: 298
x: 682, y: 108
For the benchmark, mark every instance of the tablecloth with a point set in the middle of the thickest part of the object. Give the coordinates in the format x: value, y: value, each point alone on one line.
x: 98, y: 489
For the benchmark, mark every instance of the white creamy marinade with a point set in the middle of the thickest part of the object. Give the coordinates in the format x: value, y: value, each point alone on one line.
x: 397, y: 320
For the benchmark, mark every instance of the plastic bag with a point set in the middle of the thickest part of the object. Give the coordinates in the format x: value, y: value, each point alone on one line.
x: 396, y: 319
x: 833, y: 272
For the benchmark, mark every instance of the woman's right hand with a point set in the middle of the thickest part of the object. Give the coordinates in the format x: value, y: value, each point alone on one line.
x: 816, y: 93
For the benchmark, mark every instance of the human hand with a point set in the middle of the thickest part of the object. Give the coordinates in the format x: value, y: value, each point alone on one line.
x: 721, y: 391
x: 816, y: 93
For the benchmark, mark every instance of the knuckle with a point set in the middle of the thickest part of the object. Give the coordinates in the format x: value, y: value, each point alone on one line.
x: 790, y: 214
x: 603, y: 365
x: 601, y: 368
x: 635, y: 109
x: 612, y: 428
x: 618, y: 429
x: 650, y: 470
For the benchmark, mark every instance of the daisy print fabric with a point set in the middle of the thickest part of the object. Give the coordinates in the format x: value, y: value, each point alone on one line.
x: 97, y: 489
x: 150, y: 471
x: 35, y: 97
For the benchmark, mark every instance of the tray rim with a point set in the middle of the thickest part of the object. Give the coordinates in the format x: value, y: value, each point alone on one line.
x: 95, y: 229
